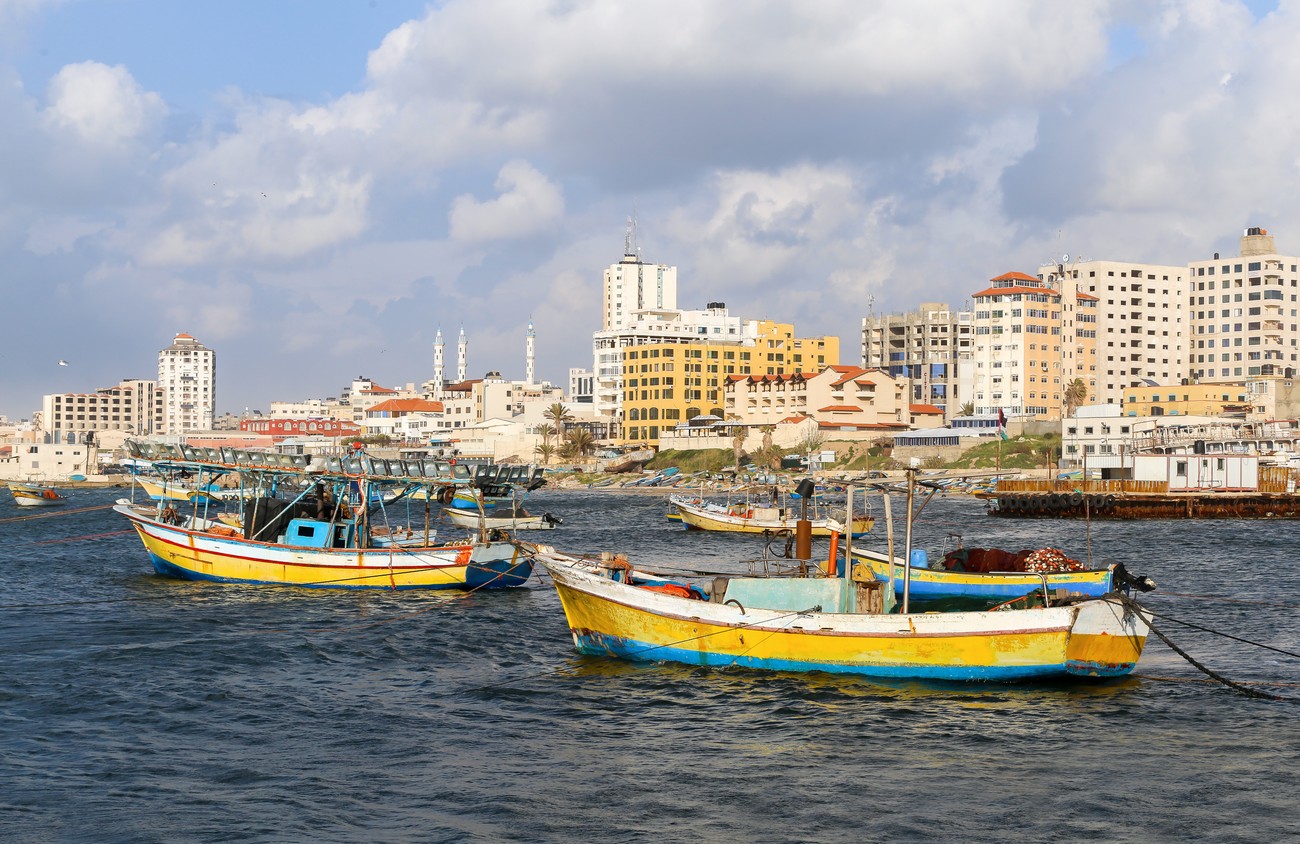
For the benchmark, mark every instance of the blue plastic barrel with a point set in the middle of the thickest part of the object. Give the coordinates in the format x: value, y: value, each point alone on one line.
x: 919, y: 559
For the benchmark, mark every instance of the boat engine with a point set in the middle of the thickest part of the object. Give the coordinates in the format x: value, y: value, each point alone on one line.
x: 1126, y: 582
x: 552, y: 520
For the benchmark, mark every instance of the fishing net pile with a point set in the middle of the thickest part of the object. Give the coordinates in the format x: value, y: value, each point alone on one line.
x: 1041, y: 561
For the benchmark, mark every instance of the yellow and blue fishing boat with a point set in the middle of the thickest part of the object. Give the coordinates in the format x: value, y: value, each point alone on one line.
x: 928, y: 584
x: 167, y: 489
x: 699, y: 514
x: 834, y: 624
x: 35, y: 495
x: 312, y: 539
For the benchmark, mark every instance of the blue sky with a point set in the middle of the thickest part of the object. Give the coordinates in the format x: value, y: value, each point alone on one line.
x: 312, y: 189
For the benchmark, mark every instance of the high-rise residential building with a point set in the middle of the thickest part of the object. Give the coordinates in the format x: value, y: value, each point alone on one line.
x: 582, y: 386
x: 1243, y: 312
x: 675, y: 380
x: 1033, y: 338
x: 923, y: 346
x: 656, y: 327
x: 134, y: 406
x: 1142, y: 327
x: 187, y: 373
x: 632, y: 286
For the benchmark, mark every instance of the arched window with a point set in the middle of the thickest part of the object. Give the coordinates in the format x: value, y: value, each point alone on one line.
x: 692, y: 412
x: 633, y: 415
x: 654, y: 413
x: 716, y: 411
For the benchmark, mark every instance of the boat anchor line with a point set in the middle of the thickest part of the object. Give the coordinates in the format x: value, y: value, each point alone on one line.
x: 1134, y: 606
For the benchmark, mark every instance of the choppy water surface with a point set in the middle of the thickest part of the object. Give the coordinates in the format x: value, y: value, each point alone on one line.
x: 134, y: 708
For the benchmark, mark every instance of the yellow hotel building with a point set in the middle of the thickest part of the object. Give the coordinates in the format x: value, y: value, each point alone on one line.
x: 665, y: 384
x: 1188, y: 400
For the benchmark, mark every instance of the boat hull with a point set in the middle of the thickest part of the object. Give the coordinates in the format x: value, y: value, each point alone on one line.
x: 937, y: 585
x: 699, y: 518
x: 472, y: 520
x: 35, y: 496
x: 173, y: 492
x: 199, y: 555
x: 1092, y: 639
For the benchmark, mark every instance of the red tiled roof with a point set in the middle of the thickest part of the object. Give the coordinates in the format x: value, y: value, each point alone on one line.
x: 839, y: 408
x: 891, y: 426
x: 864, y: 382
x: 798, y: 417
x: 850, y: 373
x: 407, y: 406
x: 998, y: 291
x: 1013, y: 276
x: 925, y: 408
x: 1086, y: 296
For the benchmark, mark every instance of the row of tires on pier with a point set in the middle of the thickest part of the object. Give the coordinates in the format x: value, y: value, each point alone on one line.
x: 1056, y: 502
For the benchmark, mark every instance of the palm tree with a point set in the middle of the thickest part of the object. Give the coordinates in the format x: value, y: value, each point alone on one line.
x: 545, y: 452
x: 738, y: 434
x: 967, y: 409
x: 546, y: 431
x: 559, y: 414
x: 1076, y: 393
x: 580, y: 442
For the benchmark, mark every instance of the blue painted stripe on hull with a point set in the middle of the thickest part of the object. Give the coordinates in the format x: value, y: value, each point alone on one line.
x: 599, y: 644
x: 935, y: 591
x: 477, y: 576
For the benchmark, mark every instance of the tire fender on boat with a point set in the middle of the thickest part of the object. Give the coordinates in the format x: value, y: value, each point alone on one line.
x: 446, y: 494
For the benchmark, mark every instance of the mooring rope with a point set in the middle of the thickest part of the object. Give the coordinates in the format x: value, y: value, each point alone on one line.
x: 1138, y: 608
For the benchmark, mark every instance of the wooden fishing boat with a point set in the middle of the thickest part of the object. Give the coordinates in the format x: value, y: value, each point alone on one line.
x: 699, y: 514
x: 322, y: 554
x: 312, y: 539
x: 834, y: 624
x: 500, y: 519
x: 163, y: 489
x: 35, y: 495
x: 931, y: 584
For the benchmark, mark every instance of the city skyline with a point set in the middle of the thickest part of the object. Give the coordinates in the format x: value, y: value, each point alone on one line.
x: 314, y: 201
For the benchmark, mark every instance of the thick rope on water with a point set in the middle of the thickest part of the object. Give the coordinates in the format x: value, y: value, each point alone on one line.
x: 1214, y: 675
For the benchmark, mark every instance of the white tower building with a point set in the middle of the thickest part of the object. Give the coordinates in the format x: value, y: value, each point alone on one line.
x: 529, y: 358
x: 632, y: 286
x: 187, y: 373
x: 462, y: 348
x: 438, y: 375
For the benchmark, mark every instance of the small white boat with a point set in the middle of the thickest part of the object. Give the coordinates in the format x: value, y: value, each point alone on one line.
x: 34, y: 495
x: 501, y: 519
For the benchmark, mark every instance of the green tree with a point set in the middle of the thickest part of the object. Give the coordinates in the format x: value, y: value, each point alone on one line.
x: 967, y: 409
x: 579, y: 442
x: 546, y: 431
x: 560, y: 416
x: 545, y: 451
x: 1076, y: 393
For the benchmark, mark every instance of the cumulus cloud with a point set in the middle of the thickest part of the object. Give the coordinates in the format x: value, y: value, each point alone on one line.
x: 802, y: 162
x: 527, y: 203
x: 101, y: 104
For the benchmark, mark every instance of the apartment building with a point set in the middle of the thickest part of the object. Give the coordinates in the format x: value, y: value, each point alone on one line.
x: 674, y: 381
x: 838, y: 396
x: 632, y: 286
x: 1142, y: 326
x: 1032, y: 338
x: 135, y: 406
x: 187, y: 373
x: 1243, y: 312
x: 923, y: 346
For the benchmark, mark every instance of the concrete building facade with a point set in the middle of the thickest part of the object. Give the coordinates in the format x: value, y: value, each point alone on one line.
x: 187, y: 374
x: 923, y: 346
x: 1033, y: 338
x: 1243, y: 312
x: 134, y: 406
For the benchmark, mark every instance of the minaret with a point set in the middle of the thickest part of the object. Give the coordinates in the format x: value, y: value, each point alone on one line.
x: 462, y: 346
x: 528, y: 362
x: 438, y: 379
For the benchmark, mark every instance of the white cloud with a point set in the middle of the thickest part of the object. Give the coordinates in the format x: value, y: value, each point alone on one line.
x: 528, y: 203
x: 101, y: 104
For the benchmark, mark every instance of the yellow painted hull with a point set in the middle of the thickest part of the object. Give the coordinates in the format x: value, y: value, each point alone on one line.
x: 203, y: 555
x: 1097, y: 638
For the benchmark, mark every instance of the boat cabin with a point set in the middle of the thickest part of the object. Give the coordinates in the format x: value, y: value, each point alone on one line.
x: 311, y: 533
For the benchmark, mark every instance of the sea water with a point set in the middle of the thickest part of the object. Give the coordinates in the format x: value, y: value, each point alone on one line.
x: 138, y: 708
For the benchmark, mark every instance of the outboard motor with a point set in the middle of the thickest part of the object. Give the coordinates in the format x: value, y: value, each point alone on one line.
x: 552, y: 520
x: 1128, y: 583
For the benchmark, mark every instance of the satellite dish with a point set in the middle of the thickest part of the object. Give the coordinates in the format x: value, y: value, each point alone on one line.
x: 1065, y: 259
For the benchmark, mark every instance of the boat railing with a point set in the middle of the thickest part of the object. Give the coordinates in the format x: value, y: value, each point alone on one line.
x: 1047, y: 600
